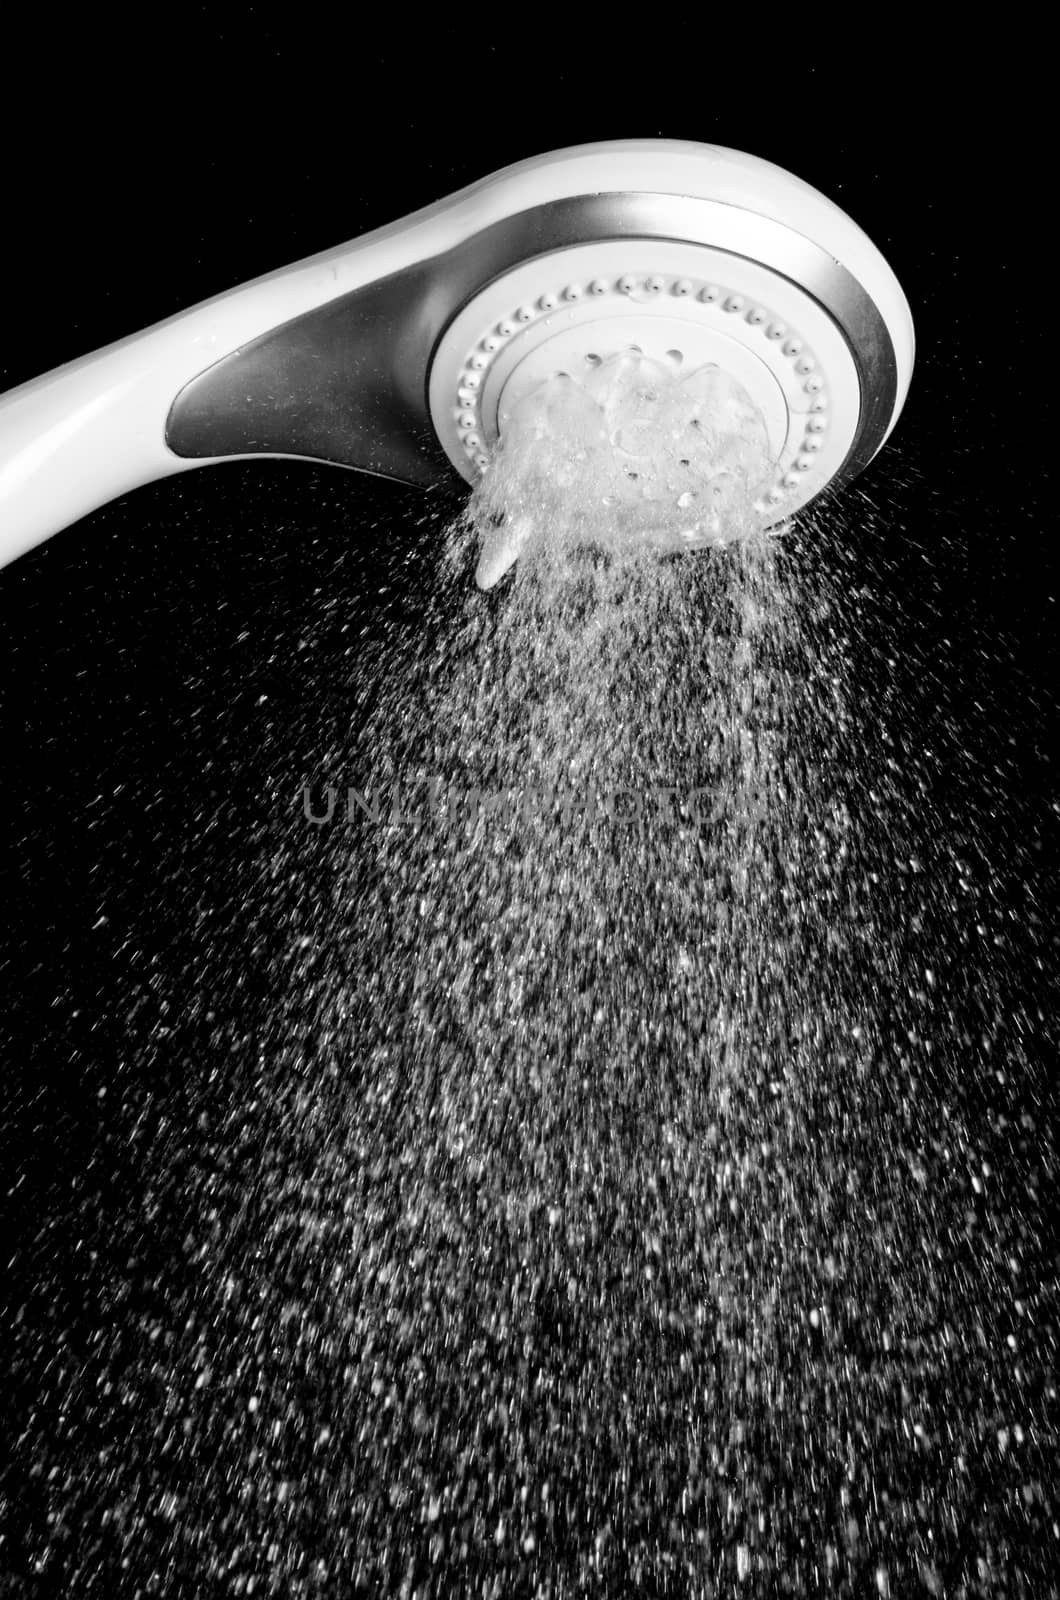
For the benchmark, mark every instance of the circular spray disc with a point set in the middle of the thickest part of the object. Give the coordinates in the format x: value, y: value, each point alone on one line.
x: 683, y: 305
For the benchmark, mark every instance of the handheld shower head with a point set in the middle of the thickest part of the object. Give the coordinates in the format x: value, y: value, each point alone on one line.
x: 403, y: 352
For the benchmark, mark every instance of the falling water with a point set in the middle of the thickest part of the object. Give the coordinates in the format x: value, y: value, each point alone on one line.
x: 632, y: 1191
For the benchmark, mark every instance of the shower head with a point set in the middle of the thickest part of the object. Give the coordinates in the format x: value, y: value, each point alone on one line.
x: 404, y: 352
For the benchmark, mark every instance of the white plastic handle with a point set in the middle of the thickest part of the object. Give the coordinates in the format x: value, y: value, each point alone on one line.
x: 80, y: 436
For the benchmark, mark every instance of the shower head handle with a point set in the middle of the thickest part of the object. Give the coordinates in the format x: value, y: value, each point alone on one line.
x: 78, y: 437
x: 359, y: 355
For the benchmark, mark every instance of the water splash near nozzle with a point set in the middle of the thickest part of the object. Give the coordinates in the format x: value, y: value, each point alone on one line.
x: 630, y: 452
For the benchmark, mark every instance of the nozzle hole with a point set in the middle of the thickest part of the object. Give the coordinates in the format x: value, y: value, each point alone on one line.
x: 593, y: 360
x: 676, y: 356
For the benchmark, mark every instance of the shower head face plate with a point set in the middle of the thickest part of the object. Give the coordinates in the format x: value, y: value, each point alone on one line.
x: 682, y: 305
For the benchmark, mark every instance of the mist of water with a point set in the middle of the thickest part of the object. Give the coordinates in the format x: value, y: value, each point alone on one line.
x: 630, y: 1198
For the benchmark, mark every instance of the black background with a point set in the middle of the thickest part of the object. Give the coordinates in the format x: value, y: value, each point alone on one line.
x: 154, y: 680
